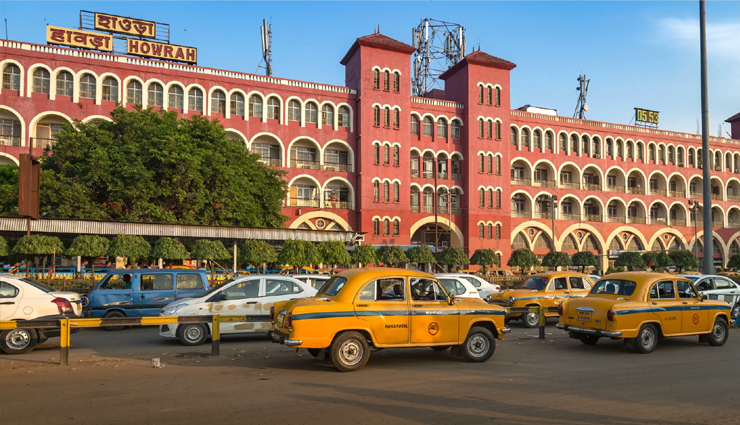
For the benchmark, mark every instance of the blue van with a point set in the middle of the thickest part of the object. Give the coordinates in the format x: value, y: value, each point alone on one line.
x: 142, y: 292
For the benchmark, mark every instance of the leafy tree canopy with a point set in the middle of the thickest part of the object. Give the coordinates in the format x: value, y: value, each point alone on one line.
x: 257, y: 252
x: 584, y: 259
x: 150, y: 166
x: 420, y: 254
x: 684, y: 259
x: 334, y: 253
x: 452, y: 256
x: 293, y: 253
x: 169, y: 249
x: 556, y: 259
x: 733, y: 264
x: 364, y: 254
x: 88, y: 246
x: 647, y: 257
x: 522, y: 258
x: 8, y: 190
x: 631, y: 260
x: 38, y: 245
x: 662, y: 260
x: 485, y: 257
x: 391, y: 255
x: 205, y: 249
x: 129, y: 246
x: 4, y: 251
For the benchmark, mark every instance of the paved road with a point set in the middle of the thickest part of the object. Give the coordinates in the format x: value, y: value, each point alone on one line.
x: 528, y: 381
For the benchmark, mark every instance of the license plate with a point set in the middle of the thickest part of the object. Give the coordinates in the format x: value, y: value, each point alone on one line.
x: 584, y: 316
x: 275, y: 336
x: 280, y: 319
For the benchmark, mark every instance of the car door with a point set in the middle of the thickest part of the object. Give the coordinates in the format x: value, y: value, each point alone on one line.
x: 433, y: 319
x: 11, y: 297
x: 555, y: 292
x: 666, y: 306
x: 724, y: 290
x: 188, y: 285
x: 384, y: 304
x: 115, y: 293
x: 241, y: 297
x: 156, y: 290
x: 693, y: 318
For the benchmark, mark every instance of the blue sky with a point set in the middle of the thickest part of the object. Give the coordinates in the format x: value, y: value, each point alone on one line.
x: 637, y: 54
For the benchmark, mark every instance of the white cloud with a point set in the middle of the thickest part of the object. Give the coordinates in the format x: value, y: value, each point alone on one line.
x: 723, y: 39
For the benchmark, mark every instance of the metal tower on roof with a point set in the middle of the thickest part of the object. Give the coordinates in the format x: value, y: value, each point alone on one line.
x: 439, y: 46
x: 266, y: 33
x: 581, y: 106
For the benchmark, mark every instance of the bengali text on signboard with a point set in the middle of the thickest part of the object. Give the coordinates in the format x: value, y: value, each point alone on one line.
x: 79, y: 38
x: 161, y: 51
x: 127, y: 26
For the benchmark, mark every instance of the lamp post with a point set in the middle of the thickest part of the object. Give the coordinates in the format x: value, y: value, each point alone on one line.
x: 694, y: 207
x: 554, y: 210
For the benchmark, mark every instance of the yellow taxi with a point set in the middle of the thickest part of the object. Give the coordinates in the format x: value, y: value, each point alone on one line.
x: 547, y: 289
x: 641, y: 308
x: 386, y: 307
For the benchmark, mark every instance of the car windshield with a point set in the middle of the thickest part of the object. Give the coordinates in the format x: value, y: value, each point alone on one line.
x: 614, y: 287
x: 215, y: 288
x: 333, y: 286
x: 38, y: 285
x: 536, y: 282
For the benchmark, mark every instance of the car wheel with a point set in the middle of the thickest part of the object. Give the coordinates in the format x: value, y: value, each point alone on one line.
x: 114, y: 315
x: 350, y: 352
x: 18, y: 341
x: 479, y: 345
x: 589, y: 339
x: 531, y: 320
x: 647, y: 339
x: 719, y: 333
x: 440, y: 347
x: 314, y: 351
x: 192, y: 334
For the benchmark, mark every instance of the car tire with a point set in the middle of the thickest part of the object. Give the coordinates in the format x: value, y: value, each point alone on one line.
x: 531, y: 320
x: 18, y: 340
x: 479, y: 345
x: 589, y: 339
x: 350, y: 351
x: 314, y: 352
x: 646, y: 340
x: 720, y: 333
x: 113, y: 315
x: 192, y: 334
x: 441, y: 347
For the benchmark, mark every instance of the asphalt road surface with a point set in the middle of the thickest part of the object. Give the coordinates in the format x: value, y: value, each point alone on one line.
x: 110, y: 380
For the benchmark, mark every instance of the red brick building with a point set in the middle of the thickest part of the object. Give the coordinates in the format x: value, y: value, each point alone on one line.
x: 364, y: 157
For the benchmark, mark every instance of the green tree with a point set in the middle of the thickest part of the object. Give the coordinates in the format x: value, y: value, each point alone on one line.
x: 684, y: 259
x: 311, y: 253
x: 255, y: 253
x: 211, y: 251
x: 34, y: 246
x: 662, y: 260
x: 334, y: 253
x: 169, y: 249
x: 151, y: 166
x: 556, y: 259
x: 522, y: 258
x: 733, y: 264
x: 647, y: 257
x: 364, y: 255
x: 420, y: 254
x: 129, y: 247
x: 631, y: 260
x: 292, y: 253
x: 485, y: 257
x: 4, y: 251
x: 8, y: 190
x: 452, y: 256
x: 391, y: 255
x: 584, y: 259
x: 89, y: 247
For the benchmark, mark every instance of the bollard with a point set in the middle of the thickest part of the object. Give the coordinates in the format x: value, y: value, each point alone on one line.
x: 216, y: 335
x: 64, y: 344
x: 543, y: 321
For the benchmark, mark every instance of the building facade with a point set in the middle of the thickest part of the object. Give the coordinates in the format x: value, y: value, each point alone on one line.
x: 369, y: 157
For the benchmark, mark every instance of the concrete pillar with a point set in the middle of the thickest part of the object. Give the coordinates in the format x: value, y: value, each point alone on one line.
x: 234, y: 258
x: 159, y: 263
x: 79, y: 264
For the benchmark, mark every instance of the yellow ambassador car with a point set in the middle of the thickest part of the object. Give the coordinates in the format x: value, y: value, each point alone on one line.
x: 641, y: 307
x: 383, y: 308
x: 543, y: 289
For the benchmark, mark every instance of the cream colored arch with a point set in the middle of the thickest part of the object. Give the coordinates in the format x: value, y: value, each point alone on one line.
x: 229, y: 112
x: 602, y: 207
x: 578, y: 169
x: 282, y: 108
x: 444, y: 222
x: 21, y: 86
x: 638, y: 234
x: 283, y: 153
x: 209, y: 102
x: 29, y: 78
x: 683, y: 206
x: 349, y: 185
x: 415, y: 185
x: 718, y: 180
x: 19, y: 117
x: 578, y: 206
x: 640, y: 172
x: 458, y: 188
x: 412, y: 150
x: 723, y: 247
x: 525, y: 193
x: 668, y: 231
x: 98, y: 86
x: 319, y: 214
x: 91, y: 118
x: 102, y: 79
x: 602, y: 179
x: 203, y: 92
x: 427, y: 186
x: 351, y: 156
x: 641, y: 202
x: 310, y: 177
x: 536, y: 224
x: 124, y: 90
x: 724, y: 215
x: 659, y: 173
x: 167, y: 94
x: 312, y: 140
x: 540, y: 193
x: 551, y: 166
x: 582, y: 226
x: 425, y: 151
x: 35, y: 120
x: 241, y: 135
x: 301, y: 116
x: 351, y: 115
x: 12, y: 158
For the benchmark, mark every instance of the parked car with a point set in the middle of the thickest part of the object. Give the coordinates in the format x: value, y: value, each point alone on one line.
x: 720, y: 288
x: 249, y: 296
x: 643, y: 307
x: 26, y: 299
x: 459, y: 287
x: 484, y: 288
x: 142, y: 292
x: 385, y: 308
x: 316, y: 281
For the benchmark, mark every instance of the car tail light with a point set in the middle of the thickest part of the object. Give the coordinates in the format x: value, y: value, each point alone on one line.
x: 63, y: 305
x: 289, y: 320
x: 560, y: 309
x: 610, y: 315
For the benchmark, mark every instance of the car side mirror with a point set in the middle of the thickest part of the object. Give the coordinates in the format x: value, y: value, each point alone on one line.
x: 221, y: 296
x: 703, y: 297
x: 451, y: 299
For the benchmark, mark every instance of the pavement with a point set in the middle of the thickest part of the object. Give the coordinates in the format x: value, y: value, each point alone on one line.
x: 110, y: 380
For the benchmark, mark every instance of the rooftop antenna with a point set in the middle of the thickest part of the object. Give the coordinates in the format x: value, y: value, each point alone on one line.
x: 439, y: 46
x: 266, y: 34
x: 6, y: 28
x: 581, y: 106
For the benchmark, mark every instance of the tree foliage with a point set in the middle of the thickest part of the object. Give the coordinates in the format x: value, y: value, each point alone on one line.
x: 364, y: 254
x: 647, y: 257
x: 129, y: 247
x: 733, y: 264
x: 211, y: 251
x: 662, y: 260
x: 255, y: 253
x: 4, y: 251
x: 523, y: 258
x: 31, y: 246
x: 391, y: 255
x: 334, y: 253
x: 169, y: 249
x: 452, y: 256
x: 8, y: 190
x: 684, y: 259
x: 420, y: 254
x: 631, y: 260
x: 584, y: 259
x: 150, y: 166
x: 556, y: 259
x: 485, y: 257
x: 298, y: 253
x: 89, y: 247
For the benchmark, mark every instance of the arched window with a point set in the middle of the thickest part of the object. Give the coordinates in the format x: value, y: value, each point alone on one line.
x: 481, y: 128
x: 110, y: 89
x: 396, y: 227
x: 549, y: 142
x: 396, y: 155
x: 386, y: 80
x: 481, y: 163
x: 386, y: 227
x: 65, y: 84
x: 376, y: 79
x: 155, y: 95
x: 11, y: 77
x: 396, y: 192
x: 414, y: 125
x: 490, y: 231
x: 255, y: 106
x: 490, y: 198
x: 376, y: 116
x: 455, y: 127
x: 498, y: 97
x: 498, y: 130
x: 294, y: 111
x: 514, y: 136
x: 490, y: 163
x: 640, y: 155
x: 525, y: 137
x: 489, y: 96
x: 396, y: 118
x: 376, y: 225
x: 498, y: 231
x: 376, y: 191
x: 273, y: 108
x: 386, y: 117
x: 237, y: 104
x: 312, y: 113
x: 87, y: 86
x: 441, y: 128
x: 537, y: 139
x: 482, y: 198
x: 498, y: 165
x: 480, y: 94
x: 195, y: 100
x: 327, y: 115
x: 386, y: 192
x: 489, y: 129
x: 396, y: 82
x: 563, y: 142
x: 343, y: 116
x: 574, y: 144
x: 175, y: 96
x: 481, y: 231
x: 42, y: 81
x: 134, y: 93
x: 498, y: 198
x: 428, y: 126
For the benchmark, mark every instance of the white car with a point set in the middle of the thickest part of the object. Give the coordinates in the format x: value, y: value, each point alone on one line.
x: 314, y: 280
x: 483, y: 287
x: 594, y: 277
x: 26, y: 299
x: 458, y: 287
x: 718, y: 288
x: 245, y: 296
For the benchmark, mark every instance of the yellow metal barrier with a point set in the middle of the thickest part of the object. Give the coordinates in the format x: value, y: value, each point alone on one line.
x: 540, y: 310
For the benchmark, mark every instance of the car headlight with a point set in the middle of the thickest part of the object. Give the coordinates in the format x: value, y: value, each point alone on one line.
x: 489, y: 298
x: 171, y: 310
x: 511, y: 299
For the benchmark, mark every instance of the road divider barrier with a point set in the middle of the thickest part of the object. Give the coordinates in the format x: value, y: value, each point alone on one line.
x: 540, y: 310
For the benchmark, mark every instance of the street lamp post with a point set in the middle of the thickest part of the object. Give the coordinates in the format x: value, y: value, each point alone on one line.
x: 694, y: 206
x: 554, y: 210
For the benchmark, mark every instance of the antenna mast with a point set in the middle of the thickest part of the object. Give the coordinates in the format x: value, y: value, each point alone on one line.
x: 439, y: 46
x: 581, y: 106
x: 266, y: 33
